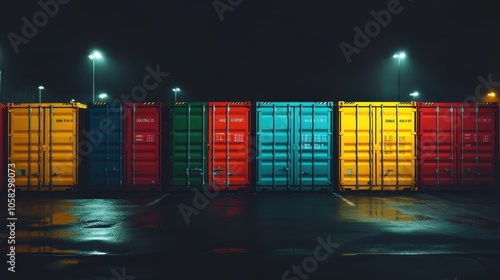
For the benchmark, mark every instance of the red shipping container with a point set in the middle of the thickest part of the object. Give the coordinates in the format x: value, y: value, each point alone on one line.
x: 229, y: 146
x: 457, y: 145
x: 143, y: 145
x: 3, y: 145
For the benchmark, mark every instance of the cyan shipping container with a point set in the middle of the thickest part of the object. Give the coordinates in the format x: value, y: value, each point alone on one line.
x: 105, y: 136
x: 294, y: 146
x: 188, y: 145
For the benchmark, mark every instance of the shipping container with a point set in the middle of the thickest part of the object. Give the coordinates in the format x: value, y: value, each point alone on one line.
x: 229, y: 146
x: 188, y: 145
x: 105, y: 136
x: 3, y: 146
x: 44, y: 145
x: 376, y: 145
x: 294, y: 146
x: 457, y: 145
x: 143, y: 145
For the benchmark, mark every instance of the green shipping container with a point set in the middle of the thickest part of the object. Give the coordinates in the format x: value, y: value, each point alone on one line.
x: 188, y: 145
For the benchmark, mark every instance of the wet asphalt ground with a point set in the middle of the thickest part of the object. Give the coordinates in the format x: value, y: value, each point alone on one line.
x: 292, y: 236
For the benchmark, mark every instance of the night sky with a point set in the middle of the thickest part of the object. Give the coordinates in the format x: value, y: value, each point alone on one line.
x: 261, y: 50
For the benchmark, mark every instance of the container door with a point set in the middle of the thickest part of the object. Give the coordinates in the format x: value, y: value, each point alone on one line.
x: 312, y: 150
x: 228, y: 159
x: 274, y: 146
x: 394, y: 141
x: 436, y: 145
x: 356, y: 146
x: 25, y: 151
x: 188, y: 146
x: 59, y: 147
x: 143, y: 146
x: 476, y: 145
x: 105, y: 160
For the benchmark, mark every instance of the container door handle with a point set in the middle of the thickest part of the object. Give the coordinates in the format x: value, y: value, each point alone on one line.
x: 56, y: 174
x: 220, y: 169
x: 284, y: 169
x: 305, y: 173
x: 112, y: 170
x: 447, y: 170
x: 387, y: 173
x: 196, y: 171
x: 35, y: 175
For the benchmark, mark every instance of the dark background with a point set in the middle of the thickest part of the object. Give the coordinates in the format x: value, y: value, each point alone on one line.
x: 262, y: 50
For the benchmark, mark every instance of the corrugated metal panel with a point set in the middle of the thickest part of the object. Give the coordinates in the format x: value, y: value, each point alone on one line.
x: 229, y: 145
x: 143, y: 138
x: 3, y: 181
x: 188, y: 145
x: 44, y: 145
x: 377, y: 145
x: 105, y: 159
x: 294, y: 146
x: 457, y: 145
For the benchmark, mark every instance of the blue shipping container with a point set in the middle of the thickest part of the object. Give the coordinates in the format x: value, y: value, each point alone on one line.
x: 294, y: 146
x: 105, y: 137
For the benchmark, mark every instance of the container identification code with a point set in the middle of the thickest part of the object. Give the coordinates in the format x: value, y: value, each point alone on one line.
x: 63, y: 120
x: 316, y: 120
x: 233, y: 120
x: 145, y: 120
x: 401, y: 120
x: 484, y: 120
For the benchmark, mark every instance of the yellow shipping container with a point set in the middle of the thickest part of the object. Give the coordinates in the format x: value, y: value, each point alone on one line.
x: 377, y: 145
x: 43, y: 145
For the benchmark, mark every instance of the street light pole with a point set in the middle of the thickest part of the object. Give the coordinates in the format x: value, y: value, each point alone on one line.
x: 103, y: 95
x: 414, y: 95
x: 95, y: 55
x: 40, y: 88
x: 399, y: 56
x: 399, y: 79
x: 93, y: 80
x: 176, y: 90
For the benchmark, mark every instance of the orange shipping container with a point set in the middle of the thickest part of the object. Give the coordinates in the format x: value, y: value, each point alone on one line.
x: 229, y: 146
x: 44, y: 142
x: 3, y: 181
